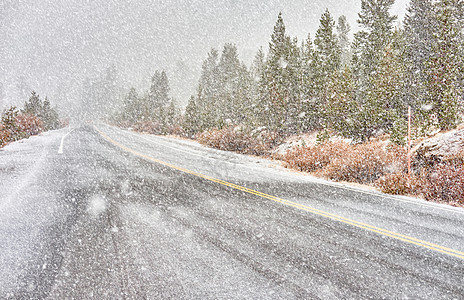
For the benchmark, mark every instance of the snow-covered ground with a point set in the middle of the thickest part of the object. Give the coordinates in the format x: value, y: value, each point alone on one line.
x: 30, y: 210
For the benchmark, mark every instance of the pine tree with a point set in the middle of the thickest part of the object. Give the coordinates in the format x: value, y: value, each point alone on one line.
x: 368, y: 49
x: 258, y: 65
x: 257, y: 90
x: 131, y: 110
x: 419, y: 27
x: 326, y: 62
x: 228, y: 103
x: 343, y: 31
x: 443, y: 72
x: 171, y: 114
x: 158, y: 96
x: 50, y: 117
x: 308, y: 116
x: 341, y: 105
x: 377, y: 29
x: 281, y: 99
x: 208, y: 92
x: 274, y: 98
x: 388, y: 93
x: 34, y: 105
x: 192, y: 122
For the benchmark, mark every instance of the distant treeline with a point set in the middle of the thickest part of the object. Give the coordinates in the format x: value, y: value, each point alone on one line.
x: 354, y: 89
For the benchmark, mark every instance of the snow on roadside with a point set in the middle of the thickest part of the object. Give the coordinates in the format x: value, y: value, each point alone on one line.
x: 27, y: 207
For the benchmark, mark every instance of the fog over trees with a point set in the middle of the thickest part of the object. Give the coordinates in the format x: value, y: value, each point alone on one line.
x: 60, y: 48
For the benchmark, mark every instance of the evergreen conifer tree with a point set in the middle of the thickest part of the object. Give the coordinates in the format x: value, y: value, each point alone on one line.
x: 377, y: 29
x: 419, y: 27
x: 208, y: 92
x: 343, y: 31
x: 369, y: 47
x: 192, y: 122
x: 443, y: 72
x: 158, y: 95
x: 132, y: 112
x: 281, y: 100
x: 34, y: 105
x: 326, y: 62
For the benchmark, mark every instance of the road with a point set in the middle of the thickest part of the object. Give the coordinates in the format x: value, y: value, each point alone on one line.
x: 96, y: 212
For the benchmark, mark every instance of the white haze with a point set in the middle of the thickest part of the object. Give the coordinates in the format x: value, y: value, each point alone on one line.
x: 52, y: 46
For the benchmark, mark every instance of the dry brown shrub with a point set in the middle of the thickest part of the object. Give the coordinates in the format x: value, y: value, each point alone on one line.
x: 229, y: 139
x: 176, y: 130
x: 29, y: 124
x: 395, y: 184
x: 123, y: 124
x: 5, y: 136
x: 365, y: 163
x: 309, y: 159
x: 445, y: 184
x: 456, y: 159
x: 148, y: 127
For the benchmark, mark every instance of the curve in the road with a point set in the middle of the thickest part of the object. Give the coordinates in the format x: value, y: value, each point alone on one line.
x: 398, y: 236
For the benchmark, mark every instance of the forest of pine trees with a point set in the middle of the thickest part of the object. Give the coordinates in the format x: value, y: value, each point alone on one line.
x: 356, y: 90
x: 155, y: 111
x: 329, y: 84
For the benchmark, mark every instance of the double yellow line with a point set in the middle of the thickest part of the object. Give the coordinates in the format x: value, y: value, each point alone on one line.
x: 365, y: 226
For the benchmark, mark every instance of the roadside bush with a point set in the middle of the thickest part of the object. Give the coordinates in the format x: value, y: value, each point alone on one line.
x: 395, y: 184
x: 229, y: 139
x: 5, y: 136
x: 456, y: 159
x: 445, y: 184
x: 309, y: 159
x: 148, y: 127
x: 365, y: 163
x: 21, y: 126
x: 176, y: 130
x: 29, y: 125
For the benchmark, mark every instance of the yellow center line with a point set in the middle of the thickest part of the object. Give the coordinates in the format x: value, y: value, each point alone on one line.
x: 385, y: 232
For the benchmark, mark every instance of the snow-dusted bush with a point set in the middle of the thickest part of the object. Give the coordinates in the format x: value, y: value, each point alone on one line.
x: 445, y: 184
x: 309, y: 159
x: 396, y: 184
x: 365, y: 163
x: 175, y: 130
x: 148, y: 127
x: 29, y: 124
x: 5, y: 136
x: 15, y: 126
x: 233, y: 139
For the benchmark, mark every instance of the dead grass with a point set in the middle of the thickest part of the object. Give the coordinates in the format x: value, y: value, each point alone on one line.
x: 29, y: 124
x: 233, y: 139
x: 445, y: 183
x: 365, y: 163
x: 309, y: 159
x: 148, y: 127
x: 395, y: 184
x: 24, y: 126
x: 5, y: 136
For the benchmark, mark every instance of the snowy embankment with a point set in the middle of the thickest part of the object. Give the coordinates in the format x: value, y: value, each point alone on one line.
x: 377, y: 163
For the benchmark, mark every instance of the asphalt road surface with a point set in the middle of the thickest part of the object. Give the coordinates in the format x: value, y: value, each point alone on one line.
x: 95, y: 212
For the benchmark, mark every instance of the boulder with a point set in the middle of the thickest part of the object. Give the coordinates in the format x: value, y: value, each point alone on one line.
x: 436, y: 150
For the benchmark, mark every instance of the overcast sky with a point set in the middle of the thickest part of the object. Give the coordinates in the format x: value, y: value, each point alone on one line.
x: 55, y: 45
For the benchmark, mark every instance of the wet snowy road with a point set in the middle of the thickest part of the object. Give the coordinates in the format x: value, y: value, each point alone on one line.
x: 101, y: 222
